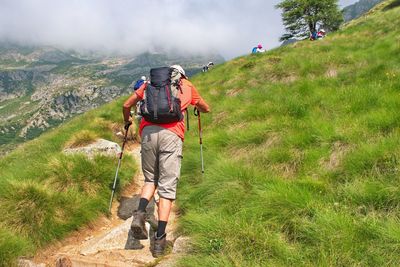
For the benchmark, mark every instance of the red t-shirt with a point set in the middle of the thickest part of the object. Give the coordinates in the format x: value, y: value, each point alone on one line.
x: 189, y: 95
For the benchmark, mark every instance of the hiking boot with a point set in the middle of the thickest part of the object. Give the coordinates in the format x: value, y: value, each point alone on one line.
x: 160, y: 243
x: 138, y: 226
x: 151, y: 219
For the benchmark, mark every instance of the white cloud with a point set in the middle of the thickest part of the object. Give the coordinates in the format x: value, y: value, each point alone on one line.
x: 230, y: 27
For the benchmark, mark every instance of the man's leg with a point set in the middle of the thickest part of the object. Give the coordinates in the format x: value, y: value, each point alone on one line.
x: 148, y: 190
x: 151, y: 172
x: 170, y: 156
x: 164, y: 209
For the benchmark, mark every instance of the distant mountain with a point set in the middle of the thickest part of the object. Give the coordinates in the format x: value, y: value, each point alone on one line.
x: 357, y: 9
x: 40, y: 87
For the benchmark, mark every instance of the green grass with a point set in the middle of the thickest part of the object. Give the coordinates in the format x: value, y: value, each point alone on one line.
x: 82, y: 138
x: 302, y: 154
x: 44, y: 194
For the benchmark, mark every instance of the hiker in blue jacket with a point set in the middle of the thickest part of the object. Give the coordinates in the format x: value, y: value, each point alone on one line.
x: 258, y: 49
x: 139, y: 83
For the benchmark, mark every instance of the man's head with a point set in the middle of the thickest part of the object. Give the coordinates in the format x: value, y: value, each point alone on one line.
x: 179, y: 69
x: 259, y: 46
x: 143, y: 78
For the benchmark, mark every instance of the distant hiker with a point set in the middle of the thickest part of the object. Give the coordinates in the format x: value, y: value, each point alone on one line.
x: 258, y: 49
x: 162, y: 131
x: 317, y: 35
x: 139, y: 83
x: 313, y: 36
x: 321, y: 34
x: 208, y: 66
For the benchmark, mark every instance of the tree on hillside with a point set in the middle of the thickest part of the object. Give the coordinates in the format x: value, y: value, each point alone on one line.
x: 302, y: 17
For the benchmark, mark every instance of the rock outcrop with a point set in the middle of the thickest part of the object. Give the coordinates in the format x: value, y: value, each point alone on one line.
x: 101, y: 146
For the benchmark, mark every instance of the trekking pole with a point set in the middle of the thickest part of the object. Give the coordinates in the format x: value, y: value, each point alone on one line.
x: 187, y: 119
x: 116, y: 173
x: 197, y: 114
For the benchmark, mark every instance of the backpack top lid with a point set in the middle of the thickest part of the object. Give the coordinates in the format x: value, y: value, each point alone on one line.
x: 160, y: 76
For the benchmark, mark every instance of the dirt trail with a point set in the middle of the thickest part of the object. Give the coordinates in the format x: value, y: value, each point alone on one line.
x: 102, y: 243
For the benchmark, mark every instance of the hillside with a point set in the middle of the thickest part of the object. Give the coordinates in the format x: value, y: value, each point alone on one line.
x: 46, y: 194
x: 41, y: 87
x: 302, y: 154
x: 357, y: 9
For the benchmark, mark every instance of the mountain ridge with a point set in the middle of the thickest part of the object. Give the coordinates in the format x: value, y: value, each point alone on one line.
x: 40, y: 87
x: 359, y: 8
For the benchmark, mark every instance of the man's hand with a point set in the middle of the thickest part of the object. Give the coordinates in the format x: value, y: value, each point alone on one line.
x: 202, y: 106
x: 127, y: 124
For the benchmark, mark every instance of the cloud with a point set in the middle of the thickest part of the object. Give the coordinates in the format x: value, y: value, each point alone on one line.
x: 230, y: 27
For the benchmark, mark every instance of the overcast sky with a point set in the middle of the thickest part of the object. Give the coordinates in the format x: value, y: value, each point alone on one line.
x: 229, y: 27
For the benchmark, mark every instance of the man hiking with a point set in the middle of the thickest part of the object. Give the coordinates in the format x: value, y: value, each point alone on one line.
x: 161, y: 147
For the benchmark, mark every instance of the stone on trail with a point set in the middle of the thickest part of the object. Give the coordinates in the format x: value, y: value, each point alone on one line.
x: 63, y: 262
x: 128, y: 205
x: 101, y: 146
x: 28, y: 263
x: 117, y: 239
x: 181, y: 245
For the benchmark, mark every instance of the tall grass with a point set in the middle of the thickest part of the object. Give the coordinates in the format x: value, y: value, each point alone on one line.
x: 82, y: 138
x: 45, y: 194
x: 301, y: 154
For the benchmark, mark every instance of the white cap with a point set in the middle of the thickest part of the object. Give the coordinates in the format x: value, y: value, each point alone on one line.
x: 179, y: 68
x: 322, y: 30
x: 143, y: 78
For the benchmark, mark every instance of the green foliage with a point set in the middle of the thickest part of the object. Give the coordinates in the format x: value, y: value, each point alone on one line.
x: 12, y: 246
x: 302, y: 17
x: 302, y: 155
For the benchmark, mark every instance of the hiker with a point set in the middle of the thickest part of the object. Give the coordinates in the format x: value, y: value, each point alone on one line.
x: 313, y: 36
x: 258, y: 49
x: 161, y: 146
x: 139, y: 83
x: 208, y: 66
x: 321, y: 34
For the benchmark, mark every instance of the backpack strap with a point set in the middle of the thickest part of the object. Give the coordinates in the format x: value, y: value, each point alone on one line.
x: 144, y: 99
x: 187, y: 118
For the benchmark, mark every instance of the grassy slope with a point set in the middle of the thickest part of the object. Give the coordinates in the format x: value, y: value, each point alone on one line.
x: 302, y: 154
x: 44, y: 194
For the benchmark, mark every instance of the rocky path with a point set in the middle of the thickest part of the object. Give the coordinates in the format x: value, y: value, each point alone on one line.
x: 104, y: 243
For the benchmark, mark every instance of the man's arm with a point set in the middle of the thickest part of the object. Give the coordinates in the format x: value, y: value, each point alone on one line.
x: 197, y: 100
x: 202, y: 106
x: 126, y: 109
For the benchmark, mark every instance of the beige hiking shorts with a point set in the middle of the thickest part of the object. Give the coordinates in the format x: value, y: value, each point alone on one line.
x: 161, y: 159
